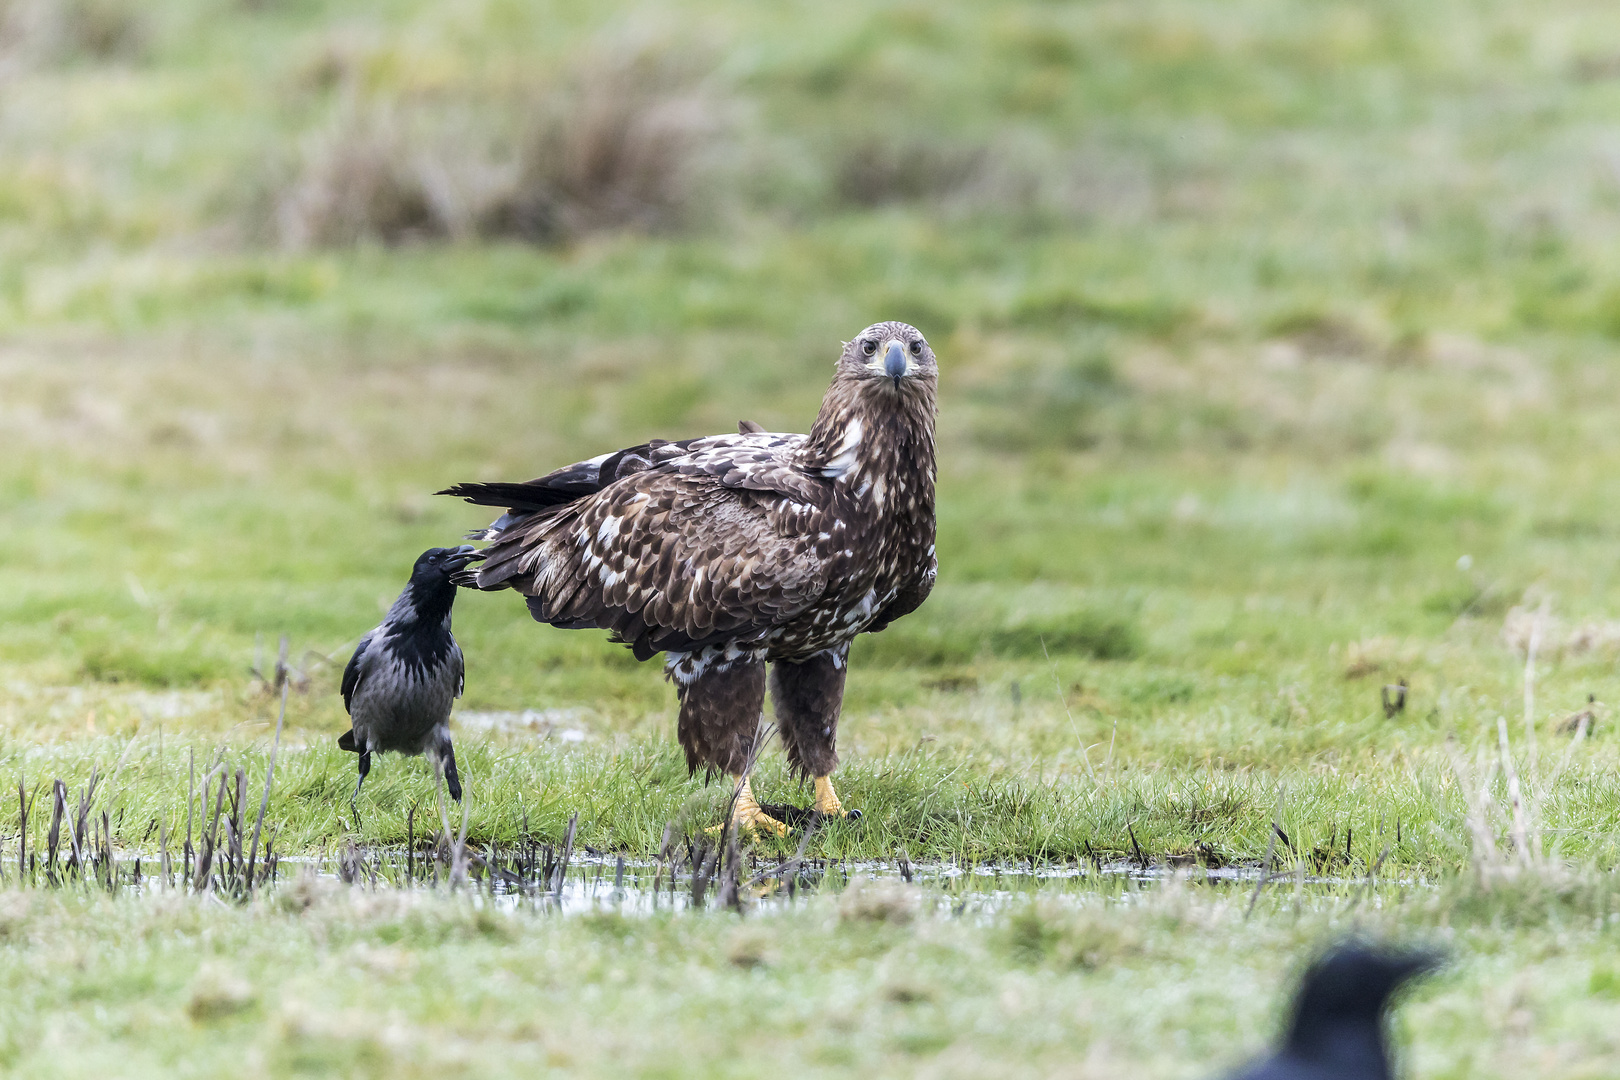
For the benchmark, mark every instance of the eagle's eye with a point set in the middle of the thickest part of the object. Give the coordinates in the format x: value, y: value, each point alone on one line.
x: 869, y: 347
x: 916, y: 347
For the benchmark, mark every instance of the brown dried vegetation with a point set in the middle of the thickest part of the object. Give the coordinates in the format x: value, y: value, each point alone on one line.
x: 42, y: 32
x: 616, y: 144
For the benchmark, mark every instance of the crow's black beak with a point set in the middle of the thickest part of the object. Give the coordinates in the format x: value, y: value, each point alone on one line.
x: 456, y: 564
x: 895, y: 363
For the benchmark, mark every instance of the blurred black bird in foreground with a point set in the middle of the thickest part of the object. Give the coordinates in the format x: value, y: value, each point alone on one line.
x: 1337, y: 1032
x: 404, y: 675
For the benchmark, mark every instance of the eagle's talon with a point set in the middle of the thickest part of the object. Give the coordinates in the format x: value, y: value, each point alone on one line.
x: 827, y: 802
x: 758, y: 820
x: 746, y: 813
x: 755, y: 818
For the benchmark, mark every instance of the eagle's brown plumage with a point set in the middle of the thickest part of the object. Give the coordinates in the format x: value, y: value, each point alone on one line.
x: 731, y: 551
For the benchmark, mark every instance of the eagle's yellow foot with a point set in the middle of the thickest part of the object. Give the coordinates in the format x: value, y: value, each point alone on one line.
x: 746, y: 812
x: 827, y: 802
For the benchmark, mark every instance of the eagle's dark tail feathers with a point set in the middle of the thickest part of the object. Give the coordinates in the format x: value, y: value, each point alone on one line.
x: 517, y: 497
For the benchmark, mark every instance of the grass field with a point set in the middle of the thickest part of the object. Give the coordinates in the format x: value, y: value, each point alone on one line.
x: 1278, y: 366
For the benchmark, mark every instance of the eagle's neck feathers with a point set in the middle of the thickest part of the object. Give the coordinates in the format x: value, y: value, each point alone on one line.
x: 877, y: 441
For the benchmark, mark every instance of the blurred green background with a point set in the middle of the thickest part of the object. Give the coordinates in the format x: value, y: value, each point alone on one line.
x: 1277, y: 342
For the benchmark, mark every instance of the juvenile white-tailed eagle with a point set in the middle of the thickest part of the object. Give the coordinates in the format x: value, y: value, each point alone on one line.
x: 729, y: 552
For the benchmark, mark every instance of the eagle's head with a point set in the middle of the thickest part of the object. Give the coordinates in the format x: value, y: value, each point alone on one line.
x: 889, y: 355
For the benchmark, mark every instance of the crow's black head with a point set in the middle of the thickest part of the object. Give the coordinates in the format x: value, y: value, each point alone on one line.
x: 1350, y: 986
x: 432, y: 589
x: 439, y: 565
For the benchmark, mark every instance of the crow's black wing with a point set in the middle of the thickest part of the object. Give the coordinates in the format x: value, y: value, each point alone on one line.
x: 351, y: 674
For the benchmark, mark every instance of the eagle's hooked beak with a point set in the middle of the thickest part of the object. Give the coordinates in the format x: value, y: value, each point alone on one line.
x: 896, y: 364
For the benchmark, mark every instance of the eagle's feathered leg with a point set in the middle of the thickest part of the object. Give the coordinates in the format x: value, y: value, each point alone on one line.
x: 722, y: 691
x: 808, y: 697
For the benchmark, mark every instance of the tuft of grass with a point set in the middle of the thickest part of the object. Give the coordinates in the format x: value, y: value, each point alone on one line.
x: 52, y: 32
x: 880, y: 901
x: 217, y: 993
x: 619, y: 142
x: 1097, y: 634
x: 621, y: 145
x: 1066, y: 936
x: 882, y: 169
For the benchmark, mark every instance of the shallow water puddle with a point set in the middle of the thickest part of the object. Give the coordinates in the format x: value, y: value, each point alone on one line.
x: 596, y: 883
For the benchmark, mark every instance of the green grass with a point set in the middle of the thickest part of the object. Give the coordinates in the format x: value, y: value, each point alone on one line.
x: 1172, y: 982
x: 1277, y: 343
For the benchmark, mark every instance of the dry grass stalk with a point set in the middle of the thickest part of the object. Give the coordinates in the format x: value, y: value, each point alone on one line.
x: 54, y: 837
x: 109, y: 863
x: 202, y: 880
x: 351, y: 863
x: 561, y: 876
x: 1476, y: 812
x: 730, y: 894
x: 80, y: 826
x: 191, y: 801
x: 238, y: 807
x: 1521, y: 829
x: 704, y: 860
x: 788, y: 869
x: 1271, y: 852
x: 457, y: 846
x: 1531, y: 647
x: 270, y: 771
x: 24, y: 805
x: 666, y: 855
x: 1393, y: 698
x: 410, y: 846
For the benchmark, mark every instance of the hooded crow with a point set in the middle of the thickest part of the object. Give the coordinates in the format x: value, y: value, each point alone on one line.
x: 1337, y: 1032
x: 404, y: 675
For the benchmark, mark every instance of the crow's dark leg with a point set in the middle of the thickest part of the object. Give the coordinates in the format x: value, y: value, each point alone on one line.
x: 807, y: 697
x: 447, y: 760
x: 721, y: 697
x: 365, y: 767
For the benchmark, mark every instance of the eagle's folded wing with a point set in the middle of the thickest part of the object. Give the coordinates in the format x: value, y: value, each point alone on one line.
x: 908, y: 599
x: 756, y: 460
x: 664, y: 561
